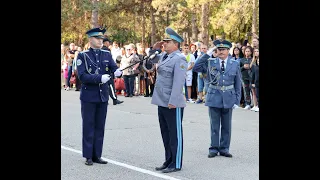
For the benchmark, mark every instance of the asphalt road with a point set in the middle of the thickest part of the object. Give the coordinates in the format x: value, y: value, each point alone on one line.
x: 133, y: 144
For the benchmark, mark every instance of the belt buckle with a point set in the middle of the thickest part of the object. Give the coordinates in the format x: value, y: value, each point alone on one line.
x: 223, y: 88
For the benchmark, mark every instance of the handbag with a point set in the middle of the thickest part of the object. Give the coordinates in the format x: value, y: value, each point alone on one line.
x: 119, y: 84
x: 73, y: 79
x: 150, y: 78
x: 136, y: 71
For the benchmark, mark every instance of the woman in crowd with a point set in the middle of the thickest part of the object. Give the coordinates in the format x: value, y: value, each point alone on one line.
x: 237, y: 54
x: 253, y: 88
x: 129, y: 74
x: 246, y: 75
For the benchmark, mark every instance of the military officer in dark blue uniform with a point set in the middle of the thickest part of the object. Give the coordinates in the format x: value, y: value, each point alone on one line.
x: 168, y: 96
x: 94, y: 67
x: 223, y: 94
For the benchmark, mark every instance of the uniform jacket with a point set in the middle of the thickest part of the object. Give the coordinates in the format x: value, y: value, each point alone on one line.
x: 91, y: 66
x: 216, y: 97
x: 171, y: 75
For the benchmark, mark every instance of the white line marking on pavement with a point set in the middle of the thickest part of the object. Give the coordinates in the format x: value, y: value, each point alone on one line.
x: 127, y: 166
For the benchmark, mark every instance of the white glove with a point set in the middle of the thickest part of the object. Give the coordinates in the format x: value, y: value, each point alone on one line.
x: 210, y: 51
x: 235, y: 106
x: 105, y: 78
x: 117, y: 73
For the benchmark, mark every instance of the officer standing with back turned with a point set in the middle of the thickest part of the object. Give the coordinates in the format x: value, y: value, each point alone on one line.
x: 94, y: 67
x: 168, y: 96
x: 223, y: 94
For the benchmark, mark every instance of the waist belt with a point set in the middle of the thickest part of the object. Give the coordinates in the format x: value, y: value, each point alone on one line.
x: 222, y: 88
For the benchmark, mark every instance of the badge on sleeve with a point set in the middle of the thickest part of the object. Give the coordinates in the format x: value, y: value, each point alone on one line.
x: 79, y: 62
x: 182, y: 66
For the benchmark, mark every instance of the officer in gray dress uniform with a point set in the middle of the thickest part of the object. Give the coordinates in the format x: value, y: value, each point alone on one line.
x: 168, y: 96
x: 223, y: 95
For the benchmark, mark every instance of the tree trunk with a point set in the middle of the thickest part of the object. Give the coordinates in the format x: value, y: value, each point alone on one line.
x: 204, y: 26
x: 167, y: 16
x: 254, y: 16
x: 94, y: 18
x: 185, y: 37
x: 143, y: 24
x: 194, y: 28
x: 80, y: 40
x: 153, y: 27
x: 134, y: 23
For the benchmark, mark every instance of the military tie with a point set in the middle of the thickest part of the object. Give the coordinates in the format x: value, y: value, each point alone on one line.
x: 222, y: 66
x: 165, y: 57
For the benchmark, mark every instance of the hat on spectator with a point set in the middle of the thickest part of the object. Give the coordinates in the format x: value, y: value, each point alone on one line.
x: 106, y: 39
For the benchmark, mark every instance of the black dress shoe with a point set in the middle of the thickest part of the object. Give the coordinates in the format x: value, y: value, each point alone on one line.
x: 226, y: 154
x: 161, y: 168
x: 100, y: 161
x: 212, y: 154
x: 89, y: 162
x: 115, y: 102
x: 126, y: 95
x: 169, y: 170
x: 146, y: 96
x: 119, y: 102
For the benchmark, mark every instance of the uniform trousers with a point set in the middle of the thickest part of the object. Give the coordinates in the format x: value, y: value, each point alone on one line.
x: 220, y: 116
x: 93, y: 123
x: 170, y: 121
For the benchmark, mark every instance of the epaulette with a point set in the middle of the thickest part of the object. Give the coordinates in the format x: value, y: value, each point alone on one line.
x: 181, y: 56
x: 213, y: 59
x: 233, y: 60
x: 84, y: 51
x: 105, y: 50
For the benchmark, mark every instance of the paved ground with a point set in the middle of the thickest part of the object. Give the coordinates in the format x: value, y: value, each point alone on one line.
x: 133, y: 144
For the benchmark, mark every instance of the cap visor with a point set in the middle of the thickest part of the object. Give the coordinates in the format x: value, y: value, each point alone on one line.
x: 98, y: 37
x: 167, y: 39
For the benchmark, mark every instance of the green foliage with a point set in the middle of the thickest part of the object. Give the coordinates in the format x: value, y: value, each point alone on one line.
x: 123, y: 18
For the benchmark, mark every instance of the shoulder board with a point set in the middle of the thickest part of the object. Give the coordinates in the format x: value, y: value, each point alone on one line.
x: 180, y: 55
x: 85, y: 51
x: 213, y: 59
x: 105, y: 51
x: 233, y: 60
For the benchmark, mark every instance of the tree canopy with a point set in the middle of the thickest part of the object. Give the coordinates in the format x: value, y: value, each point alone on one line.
x: 131, y: 20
